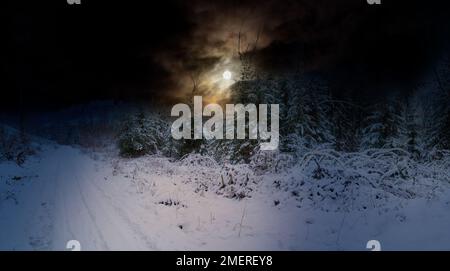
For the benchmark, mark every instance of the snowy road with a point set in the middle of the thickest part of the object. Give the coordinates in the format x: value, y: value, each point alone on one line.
x: 148, y: 204
x: 65, y: 195
x: 66, y: 203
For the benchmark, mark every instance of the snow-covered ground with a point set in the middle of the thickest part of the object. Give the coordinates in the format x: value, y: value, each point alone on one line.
x: 151, y: 203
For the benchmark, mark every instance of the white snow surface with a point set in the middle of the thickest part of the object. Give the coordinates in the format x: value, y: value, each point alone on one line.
x: 152, y: 203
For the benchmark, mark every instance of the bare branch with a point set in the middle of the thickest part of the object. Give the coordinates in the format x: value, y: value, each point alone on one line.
x: 258, y: 34
x: 194, y: 83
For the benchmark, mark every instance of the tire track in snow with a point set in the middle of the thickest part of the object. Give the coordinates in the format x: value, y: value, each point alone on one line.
x: 76, y: 221
x: 133, y: 226
x: 62, y: 200
x: 112, y: 224
x: 91, y: 215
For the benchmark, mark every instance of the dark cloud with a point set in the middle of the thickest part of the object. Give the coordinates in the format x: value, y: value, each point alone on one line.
x: 120, y: 49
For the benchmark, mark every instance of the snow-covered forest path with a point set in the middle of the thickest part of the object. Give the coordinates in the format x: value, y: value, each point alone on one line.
x: 66, y: 202
x: 66, y: 194
x: 150, y: 203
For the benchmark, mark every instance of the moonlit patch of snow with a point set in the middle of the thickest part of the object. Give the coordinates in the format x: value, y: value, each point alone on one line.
x: 153, y: 203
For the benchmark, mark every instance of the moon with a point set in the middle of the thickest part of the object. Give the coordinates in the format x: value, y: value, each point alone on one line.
x: 227, y: 75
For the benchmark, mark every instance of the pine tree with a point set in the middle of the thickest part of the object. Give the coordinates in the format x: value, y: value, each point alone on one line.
x: 410, y: 127
x: 345, y: 120
x: 439, y: 130
x: 381, y: 126
x: 147, y: 133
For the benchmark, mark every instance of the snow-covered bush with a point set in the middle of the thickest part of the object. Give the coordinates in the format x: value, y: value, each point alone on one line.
x: 195, y: 159
x: 271, y: 162
x: 230, y: 180
x: 336, y: 181
x: 146, y: 133
x: 13, y: 146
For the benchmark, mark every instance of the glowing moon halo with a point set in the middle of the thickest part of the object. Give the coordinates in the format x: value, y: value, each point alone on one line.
x: 226, y: 75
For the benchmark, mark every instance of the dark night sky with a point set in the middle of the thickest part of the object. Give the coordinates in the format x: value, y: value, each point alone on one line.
x: 58, y: 54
